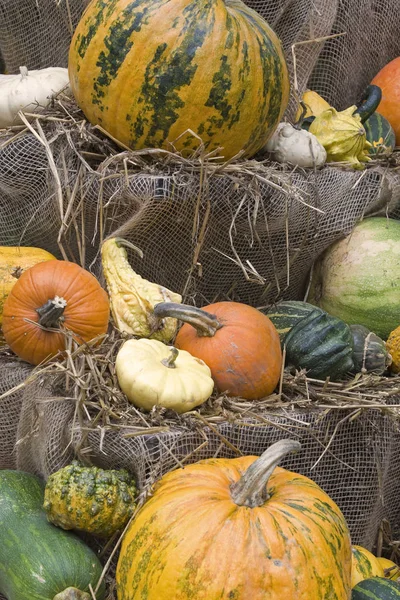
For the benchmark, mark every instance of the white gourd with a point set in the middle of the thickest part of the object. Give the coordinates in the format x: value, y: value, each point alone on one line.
x: 28, y: 91
x: 297, y: 147
x: 151, y: 373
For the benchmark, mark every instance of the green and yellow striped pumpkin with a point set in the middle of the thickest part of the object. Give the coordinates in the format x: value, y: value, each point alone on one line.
x: 236, y: 529
x: 147, y: 71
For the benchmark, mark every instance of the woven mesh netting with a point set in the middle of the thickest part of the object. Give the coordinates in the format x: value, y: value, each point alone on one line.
x: 351, y: 453
x: 247, y: 231
x: 37, y: 33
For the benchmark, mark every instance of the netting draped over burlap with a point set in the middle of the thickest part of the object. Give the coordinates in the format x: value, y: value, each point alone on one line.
x: 248, y: 232
x: 355, y: 460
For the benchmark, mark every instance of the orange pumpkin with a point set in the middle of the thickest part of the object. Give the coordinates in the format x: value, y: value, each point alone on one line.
x: 48, y: 298
x: 239, y: 344
x: 388, y: 79
x: 239, y: 529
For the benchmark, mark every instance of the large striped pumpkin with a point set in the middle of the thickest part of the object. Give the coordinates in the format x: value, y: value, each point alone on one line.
x: 148, y: 71
x: 236, y: 529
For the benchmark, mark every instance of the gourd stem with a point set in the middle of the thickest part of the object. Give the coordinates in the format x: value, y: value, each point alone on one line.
x: 121, y: 242
x: 170, y: 360
x: 206, y: 324
x: 51, y: 313
x: 72, y: 593
x: 369, y: 102
x: 251, y: 489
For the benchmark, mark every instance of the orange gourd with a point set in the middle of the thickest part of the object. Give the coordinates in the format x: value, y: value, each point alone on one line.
x: 239, y: 344
x: 236, y: 529
x: 388, y: 79
x: 50, y: 297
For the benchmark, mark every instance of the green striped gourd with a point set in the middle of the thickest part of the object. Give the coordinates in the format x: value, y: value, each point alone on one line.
x: 286, y: 314
x: 376, y: 588
x: 38, y: 561
x: 322, y: 345
x: 147, y: 71
x: 380, y: 134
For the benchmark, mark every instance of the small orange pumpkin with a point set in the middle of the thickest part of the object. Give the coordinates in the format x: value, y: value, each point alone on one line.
x: 49, y: 297
x: 388, y: 79
x: 239, y: 529
x: 239, y: 344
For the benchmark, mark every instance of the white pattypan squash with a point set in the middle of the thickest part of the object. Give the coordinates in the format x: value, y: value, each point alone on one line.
x: 29, y: 90
x: 151, y: 373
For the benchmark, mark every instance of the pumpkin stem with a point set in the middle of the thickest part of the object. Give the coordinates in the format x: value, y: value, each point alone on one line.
x: 52, y: 312
x: 251, y: 489
x: 205, y: 323
x: 170, y: 360
x: 72, y: 593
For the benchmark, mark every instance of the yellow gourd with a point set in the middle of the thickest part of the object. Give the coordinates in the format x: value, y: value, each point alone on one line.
x: 132, y: 298
x: 364, y: 565
x: 391, y: 570
x: 314, y: 104
x: 14, y: 260
x: 393, y: 347
x: 342, y: 135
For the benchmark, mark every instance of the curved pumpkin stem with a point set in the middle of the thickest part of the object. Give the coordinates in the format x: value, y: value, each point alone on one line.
x: 170, y: 360
x: 251, y: 489
x: 51, y: 313
x: 206, y: 324
x: 72, y: 593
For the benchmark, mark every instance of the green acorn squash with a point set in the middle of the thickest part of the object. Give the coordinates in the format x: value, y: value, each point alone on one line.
x: 369, y: 351
x: 376, y: 588
x: 38, y: 561
x: 322, y: 345
x: 89, y: 499
x: 286, y: 313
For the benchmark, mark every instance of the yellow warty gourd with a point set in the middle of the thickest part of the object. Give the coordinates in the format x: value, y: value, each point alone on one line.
x: 132, y: 298
x: 342, y: 135
x: 393, y: 347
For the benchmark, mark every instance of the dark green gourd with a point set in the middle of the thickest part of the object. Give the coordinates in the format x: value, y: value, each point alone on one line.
x: 39, y: 561
x: 376, y: 588
x: 322, y: 345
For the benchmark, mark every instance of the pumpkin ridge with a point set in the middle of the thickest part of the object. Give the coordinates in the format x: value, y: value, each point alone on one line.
x: 161, y: 99
x: 83, y: 41
x: 118, y: 39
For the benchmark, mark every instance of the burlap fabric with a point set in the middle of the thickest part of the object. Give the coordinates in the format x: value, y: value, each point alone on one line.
x: 248, y: 233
